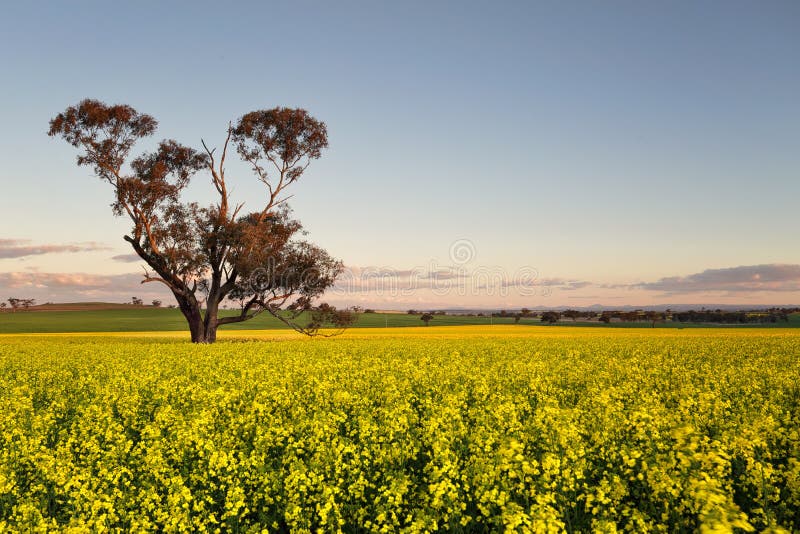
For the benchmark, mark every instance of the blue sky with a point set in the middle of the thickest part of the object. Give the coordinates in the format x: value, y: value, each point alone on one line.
x: 610, y: 149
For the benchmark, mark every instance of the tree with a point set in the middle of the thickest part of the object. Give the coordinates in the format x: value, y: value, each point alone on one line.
x: 572, y: 314
x: 3, y: 306
x: 156, y: 303
x: 653, y: 317
x: 426, y: 318
x: 136, y: 301
x: 206, y: 254
x: 517, y: 317
x: 16, y: 303
x: 550, y: 317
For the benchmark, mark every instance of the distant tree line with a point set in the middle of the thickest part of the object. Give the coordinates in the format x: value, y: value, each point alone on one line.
x: 717, y: 316
x: 16, y: 304
x: 774, y: 315
x: 653, y: 317
x: 136, y: 301
x: 636, y: 316
x: 551, y: 317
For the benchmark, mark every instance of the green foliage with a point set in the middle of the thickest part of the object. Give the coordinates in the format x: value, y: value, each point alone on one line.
x: 667, y: 432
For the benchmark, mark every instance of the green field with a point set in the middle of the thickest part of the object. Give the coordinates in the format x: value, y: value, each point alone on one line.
x: 164, y: 320
x: 449, y: 429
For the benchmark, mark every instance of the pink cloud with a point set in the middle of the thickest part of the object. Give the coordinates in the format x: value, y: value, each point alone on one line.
x: 63, y: 287
x: 741, y: 279
x: 127, y: 258
x: 20, y: 248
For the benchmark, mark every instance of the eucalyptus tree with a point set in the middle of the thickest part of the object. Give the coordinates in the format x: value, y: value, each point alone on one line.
x: 205, y: 254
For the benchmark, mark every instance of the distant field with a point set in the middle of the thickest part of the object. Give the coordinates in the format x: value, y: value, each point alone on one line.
x: 126, y: 318
x: 132, y: 319
x: 86, y: 306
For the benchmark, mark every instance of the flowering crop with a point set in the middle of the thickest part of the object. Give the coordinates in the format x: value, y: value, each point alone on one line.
x: 581, y: 430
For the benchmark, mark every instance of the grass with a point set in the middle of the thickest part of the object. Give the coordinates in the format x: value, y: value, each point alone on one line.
x: 165, y: 320
x: 132, y: 319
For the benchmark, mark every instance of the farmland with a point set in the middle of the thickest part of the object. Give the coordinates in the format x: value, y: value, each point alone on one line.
x: 104, y: 318
x: 470, y: 429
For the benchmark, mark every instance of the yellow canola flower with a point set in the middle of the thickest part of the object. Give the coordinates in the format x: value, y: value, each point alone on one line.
x: 474, y: 429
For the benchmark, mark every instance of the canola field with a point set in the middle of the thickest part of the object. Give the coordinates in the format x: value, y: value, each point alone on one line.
x: 459, y: 429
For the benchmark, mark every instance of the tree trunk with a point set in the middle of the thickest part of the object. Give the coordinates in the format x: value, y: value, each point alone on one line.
x: 195, y: 320
x: 191, y: 310
x: 211, y: 333
x: 210, y: 321
x: 203, y: 327
x: 202, y: 331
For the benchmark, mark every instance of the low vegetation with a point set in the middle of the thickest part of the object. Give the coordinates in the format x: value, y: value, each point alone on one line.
x: 465, y: 429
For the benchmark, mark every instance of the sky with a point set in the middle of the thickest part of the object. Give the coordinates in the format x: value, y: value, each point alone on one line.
x: 482, y: 154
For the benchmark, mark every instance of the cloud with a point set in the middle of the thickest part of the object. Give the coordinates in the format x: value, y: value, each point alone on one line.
x: 71, y: 287
x: 127, y: 258
x: 745, y: 278
x: 444, y: 275
x: 734, y: 281
x: 77, y: 281
x: 21, y: 248
x: 572, y: 285
x: 552, y: 283
x: 437, y: 288
x: 455, y: 283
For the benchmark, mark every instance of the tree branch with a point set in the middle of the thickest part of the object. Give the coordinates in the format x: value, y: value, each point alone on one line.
x: 170, y: 280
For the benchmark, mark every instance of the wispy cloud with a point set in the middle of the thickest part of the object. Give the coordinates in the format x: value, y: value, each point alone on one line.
x: 455, y: 282
x: 573, y: 285
x: 444, y: 274
x: 127, y: 258
x: 21, y: 248
x: 75, y: 281
x: 70, y: 287
x: 564, y: 284
x: 437, y: 287
x: 745, y: 278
